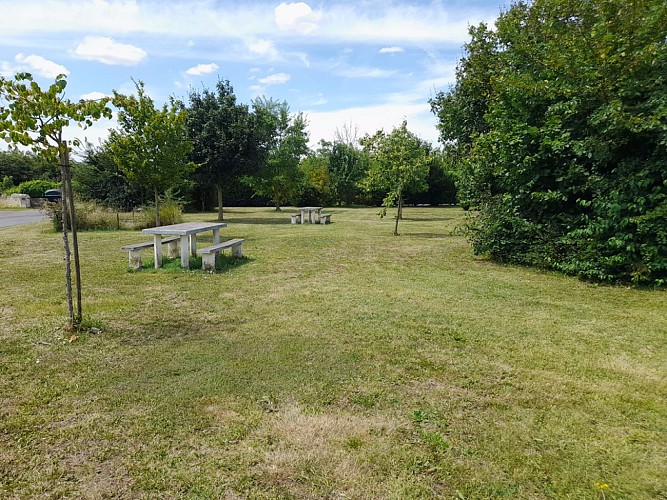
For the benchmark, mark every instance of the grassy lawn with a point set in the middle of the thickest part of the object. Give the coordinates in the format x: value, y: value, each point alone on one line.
x: 334, y: 361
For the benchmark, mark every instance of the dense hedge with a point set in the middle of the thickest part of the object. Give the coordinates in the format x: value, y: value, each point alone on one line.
x: 559, y: 117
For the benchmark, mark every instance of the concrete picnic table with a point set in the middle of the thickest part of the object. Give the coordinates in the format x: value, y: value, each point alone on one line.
x: 186, y: 230
x: 313, y: 214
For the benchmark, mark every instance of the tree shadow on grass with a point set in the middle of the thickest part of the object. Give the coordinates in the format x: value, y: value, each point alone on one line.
x: 258, y: 220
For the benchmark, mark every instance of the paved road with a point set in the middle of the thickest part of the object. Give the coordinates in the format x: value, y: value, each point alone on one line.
x: 16, y: 217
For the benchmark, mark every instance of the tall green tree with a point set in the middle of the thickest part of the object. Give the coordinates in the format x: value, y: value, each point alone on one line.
x: 222, y: 135
x: 566, y: 158
x: 282, y: 140
x: 346, y: 168
x: 399, y: 162
x: 151, y: 146
x: 36, y: 117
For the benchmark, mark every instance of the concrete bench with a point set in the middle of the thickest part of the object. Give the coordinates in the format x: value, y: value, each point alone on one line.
x: 208, y: 254
x: 134, y: 251
x: 296, y: 218
x: 325, y: 218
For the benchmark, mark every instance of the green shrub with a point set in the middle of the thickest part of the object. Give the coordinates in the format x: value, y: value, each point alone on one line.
x: 6, y: 184
x: 34, y: 188
x: 171, y: 212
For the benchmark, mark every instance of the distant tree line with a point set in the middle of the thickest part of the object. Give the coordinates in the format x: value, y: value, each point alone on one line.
x: 557, y: 127
x: 232, y: 154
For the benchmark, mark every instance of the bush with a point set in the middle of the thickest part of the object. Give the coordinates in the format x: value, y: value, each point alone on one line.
x: 34, y: 188
x: 171, y: 212
x: 89, y: 216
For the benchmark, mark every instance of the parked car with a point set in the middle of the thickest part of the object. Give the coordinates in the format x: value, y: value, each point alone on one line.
x: 52, y: 195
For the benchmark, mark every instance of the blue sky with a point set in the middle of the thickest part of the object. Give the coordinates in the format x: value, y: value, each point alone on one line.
x: 361, y: 65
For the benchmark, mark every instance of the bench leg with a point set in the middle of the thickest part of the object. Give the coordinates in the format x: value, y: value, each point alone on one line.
x: 208, y: 261
x: 172, y: 249
x: 135, y: 259
x: 237, y: 250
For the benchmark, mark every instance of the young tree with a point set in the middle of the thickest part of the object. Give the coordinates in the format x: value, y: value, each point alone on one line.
x: 283, y: 141
x: 34, y: 117
x: 399, y: 161
x: 151, y: 147
x: 222, y: 136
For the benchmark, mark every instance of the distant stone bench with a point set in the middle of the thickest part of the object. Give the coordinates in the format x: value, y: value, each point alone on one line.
x: 325, y: 218
x: 134, y: 251
x: 296, y: 218
x: 208, y: 254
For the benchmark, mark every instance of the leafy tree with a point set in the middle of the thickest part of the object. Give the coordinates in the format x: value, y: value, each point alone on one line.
x: 23, y: 166
x: 566, y: 160
x: 32, y: 116
x: 316, y: 189
x: 399, y: 162
x: 151, y: 147
x: 282, y: 141
x: 98, y: 177
x: 222, y: 135
x: 346, y: 168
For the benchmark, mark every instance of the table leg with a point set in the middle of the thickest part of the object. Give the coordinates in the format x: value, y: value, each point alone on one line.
x: 185, y: 255
x: 317, y: 215
x: 216, y: 236
x: 157, y: 250
x: 193, y: 244
x: 301, y: 216
x: 312, y: 216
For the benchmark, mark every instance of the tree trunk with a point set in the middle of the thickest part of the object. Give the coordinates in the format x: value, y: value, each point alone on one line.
x: 75, y: 240
x: 399, y: 212
x: 157, y: 209
x: 68, y: 267
x: 218, y: 188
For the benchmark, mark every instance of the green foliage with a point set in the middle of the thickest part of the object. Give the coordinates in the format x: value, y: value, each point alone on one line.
x: 223, y: 138
x: 347, y: 167
x: 35, y: 189
x: 151, y: 146
x: 97, y: 177
x: 171, y: 212
x: 6, y: 184
x: 283, y: 141
x: 25, y: 166
x: 399, y: 162
x: 558, y: 120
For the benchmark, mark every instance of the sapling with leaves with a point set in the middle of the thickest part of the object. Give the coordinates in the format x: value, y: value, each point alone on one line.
x: 34, y: 117
x: 399, y: 162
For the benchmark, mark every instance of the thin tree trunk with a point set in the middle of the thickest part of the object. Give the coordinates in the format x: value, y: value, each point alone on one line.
x: 75, y: 240
x: 220, y: 214
x: 398, y: 212
x: 68, y: 267
x: 157, y: 209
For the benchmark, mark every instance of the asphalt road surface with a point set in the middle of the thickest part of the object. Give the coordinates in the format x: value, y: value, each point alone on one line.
x: 16, y: 217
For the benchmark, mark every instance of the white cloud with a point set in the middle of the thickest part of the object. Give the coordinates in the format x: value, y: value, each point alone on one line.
x: 264, y: 48
x: 202, y: 69
x: 93, y: 96
x: 42, y: 67
x: 363, y: 72
x: 275, y: 79
x: 108, y: 51
x: 370, y: 119
x: 391, y: 50
x: 297, y: 17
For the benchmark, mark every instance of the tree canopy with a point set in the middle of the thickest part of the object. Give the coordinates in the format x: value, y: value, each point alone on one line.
x: 559, y: 120
x: 151, y: 146
x: 399, y: 162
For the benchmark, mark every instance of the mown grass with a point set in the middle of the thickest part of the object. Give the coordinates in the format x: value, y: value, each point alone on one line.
x: 334, y: 361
